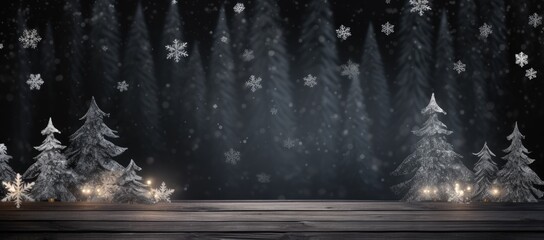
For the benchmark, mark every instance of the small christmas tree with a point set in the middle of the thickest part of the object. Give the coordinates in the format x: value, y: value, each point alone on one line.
x: 516, y: 178
x: 53, y: 178
x: 131, y: 190
x: 6, y: 173
x: 486, y: 171
x: 437, y: 170
x: 90, y: 154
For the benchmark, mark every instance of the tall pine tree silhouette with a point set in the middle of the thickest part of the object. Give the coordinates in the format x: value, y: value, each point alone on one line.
x: 76, y: 63
x: 105, y: 43
x: 446, y: 82
x: 141, y: 106
x: 265, y: 131
x: 413, y: 76
x: 319, y: 106
x: 377, y: 98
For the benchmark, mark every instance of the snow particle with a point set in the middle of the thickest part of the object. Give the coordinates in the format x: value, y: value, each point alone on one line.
x: 173, y: 3
x: 1, y: 46
x: 419, y: 6
x: 122, y: 86
x: 343, y: 32
x: 254, y: 83
x: 239, y: 8
x: 350, y: 69
x: 535, y: 20
x: 35, y: 81
x: 232, y: 156
x: 289, y: 143
x: 459, y: 67
x: 485, y: 30
x: 263, y: 178
x: 388, y: 28
x: 530, y: 73
x: 310, y: 81
x: 248, y: 55
x: 30, y: 38
x: 224, y: 39
x: 274, y: 111
x: 176, y: 50
x: 522, y: 59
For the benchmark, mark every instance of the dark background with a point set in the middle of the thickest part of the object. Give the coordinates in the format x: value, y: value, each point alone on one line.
x: 523, y: 103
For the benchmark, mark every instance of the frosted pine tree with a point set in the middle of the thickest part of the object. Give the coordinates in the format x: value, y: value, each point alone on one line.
x: 131, y: 190
x: 53, y: 177
x: 6, y: 172
x: 90, y: 154
x: 516, y: 180
x: 141, y: 104
x: 485, y: 172
x: 434, y: 167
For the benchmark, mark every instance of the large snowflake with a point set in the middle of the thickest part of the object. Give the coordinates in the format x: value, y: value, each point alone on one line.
x: 122, y: 86
x: 485, y: 30
x: 34, y: 81
x: 530, y: 73
x: 522, y: 59
x: 162, y: 194
x: 232, y: 156
x: 388, y: 28
x: 419, y: 6
x: 176, y: 50
x: 254, y: 83
x: 535, y: 20
x: 30, y: 38
x: 343, y: 32
x: 310, y: 81
x: 248, y: 55
x: 350, y: 69
x: 239, y: 8
x: 459, y: 67
x: 18, y: 191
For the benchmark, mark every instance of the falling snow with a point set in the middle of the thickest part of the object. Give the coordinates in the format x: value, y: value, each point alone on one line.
x: 30, y: 38
x: 343, y: 32
x: 310, y: 81
x: 350, y: 69
x: 263, y: 178
x: 459, y: 67
x: 485, y: 30
x: 1, y: 46
x: 224, y: 39
x: 388, y: 28
x: 174, y: 2
x: 273, y: 111
x: 239, y: 7
x: 419, y: 6
x: 535, y: 20
x: 254, y: 83
x: 122, y: 86
x: 530, y: 73
x: 248, y: 55
x: 18, y: 191
x: 289, y: 143
x: 176, y: 50
x: 522, y: 59
x: 232, y: 156
x: 35, y: 81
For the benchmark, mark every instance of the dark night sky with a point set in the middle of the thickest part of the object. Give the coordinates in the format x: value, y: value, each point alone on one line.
x: 526, y: 104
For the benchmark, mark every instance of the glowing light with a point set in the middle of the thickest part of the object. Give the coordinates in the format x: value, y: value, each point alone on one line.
x: 148, y: 182
x: 495, y: 191
x: 468, y: 188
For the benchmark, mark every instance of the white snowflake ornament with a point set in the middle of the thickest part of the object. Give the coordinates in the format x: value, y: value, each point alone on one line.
x: 522, y: 59
x: 419, y: 6
x: 343, y: 32
x: 530, y: 73
x: 350, y: 69
x: 162, y: 194
x: 176, y: 50
x: 485, y: 31
x: 18, y: 191
x: 254, y: 83
x: 122, y: 86
x: 388, y: 28
x: 310, y: 81
x: 35, y: 81
x: 30, y: 38
x: 232, y: 156
x: 535, y: 20
x: 459, y: 67
x: 239, y: 8
x: 248, y: 55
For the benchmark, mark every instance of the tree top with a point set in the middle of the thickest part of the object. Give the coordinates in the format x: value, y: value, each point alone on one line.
x: 485, y: 151
x: 432, y: 107
x: 50, y: 129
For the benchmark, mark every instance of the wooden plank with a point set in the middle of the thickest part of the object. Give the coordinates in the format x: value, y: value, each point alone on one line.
x: 215, y: 206
x: 303, y: 226
x: 272, y: 216
x: 256, y: 235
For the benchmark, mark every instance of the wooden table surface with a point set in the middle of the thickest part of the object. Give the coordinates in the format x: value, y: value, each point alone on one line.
x: 272, y: 220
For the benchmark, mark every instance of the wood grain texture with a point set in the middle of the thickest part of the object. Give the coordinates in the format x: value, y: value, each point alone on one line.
x: 272, y: 220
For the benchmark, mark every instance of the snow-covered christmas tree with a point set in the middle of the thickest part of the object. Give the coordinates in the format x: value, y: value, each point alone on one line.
x: 485, y: 172
x: 6, y: 173
x: 90, y: 154
x: 436, y: 169
x: 131, y: 190
x: 516, y: 179
x: 53, y: 177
